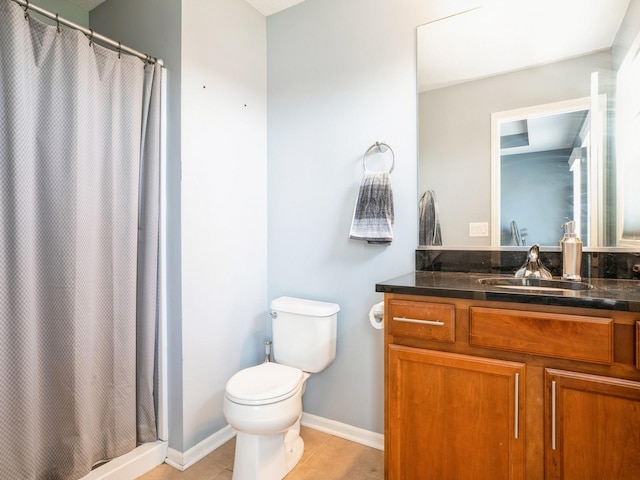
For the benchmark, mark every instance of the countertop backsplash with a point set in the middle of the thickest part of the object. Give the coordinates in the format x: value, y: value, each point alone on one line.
x: 607, y: 263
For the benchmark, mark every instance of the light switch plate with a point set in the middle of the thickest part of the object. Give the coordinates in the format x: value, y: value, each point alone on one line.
x: 478, y: 229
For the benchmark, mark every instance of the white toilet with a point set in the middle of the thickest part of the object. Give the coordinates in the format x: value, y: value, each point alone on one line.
x: 264, y: 403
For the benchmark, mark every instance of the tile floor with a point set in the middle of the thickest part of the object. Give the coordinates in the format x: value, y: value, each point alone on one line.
x: 325, y: 457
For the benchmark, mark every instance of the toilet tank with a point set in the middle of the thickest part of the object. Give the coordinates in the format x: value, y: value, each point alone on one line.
x: 304, y: 333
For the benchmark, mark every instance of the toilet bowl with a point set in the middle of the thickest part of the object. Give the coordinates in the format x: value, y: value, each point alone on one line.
x: 264, y: 403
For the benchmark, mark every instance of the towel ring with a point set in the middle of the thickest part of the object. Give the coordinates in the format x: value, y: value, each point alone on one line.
x: 382, y: 147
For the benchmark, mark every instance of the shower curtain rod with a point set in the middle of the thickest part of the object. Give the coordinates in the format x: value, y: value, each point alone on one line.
x: 87, y: 31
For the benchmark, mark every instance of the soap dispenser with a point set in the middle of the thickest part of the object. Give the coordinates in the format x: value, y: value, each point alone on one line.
x: 571, y: 247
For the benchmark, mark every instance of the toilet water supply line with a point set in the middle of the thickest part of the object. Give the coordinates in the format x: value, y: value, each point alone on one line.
x: 267, y: 351
x: 267, y: 343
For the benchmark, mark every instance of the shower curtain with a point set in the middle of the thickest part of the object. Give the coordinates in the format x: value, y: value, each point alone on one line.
x: 79, y: 182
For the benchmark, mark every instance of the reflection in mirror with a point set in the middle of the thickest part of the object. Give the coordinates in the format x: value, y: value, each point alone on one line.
x: 523, y: 55
x: 541, y: 163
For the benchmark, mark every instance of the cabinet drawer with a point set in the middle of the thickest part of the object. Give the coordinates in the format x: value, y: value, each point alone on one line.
x: 424, y: 320
x: 575, y: 337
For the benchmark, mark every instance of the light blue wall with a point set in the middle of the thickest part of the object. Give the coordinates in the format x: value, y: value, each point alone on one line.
x: 224, y: 214
x: 537, y: 193
x: 64, y: 9
x: 341, y: 75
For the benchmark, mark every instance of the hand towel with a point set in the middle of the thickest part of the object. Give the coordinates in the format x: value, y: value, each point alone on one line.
x: 373, y: 212
x: 516, y: 239
x: 429, y: 220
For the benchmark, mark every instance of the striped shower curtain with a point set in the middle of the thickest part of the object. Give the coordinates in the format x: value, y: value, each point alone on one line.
x: 79, y: 181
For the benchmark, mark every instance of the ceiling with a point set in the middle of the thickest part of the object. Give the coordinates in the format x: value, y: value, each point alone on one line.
x: 266, y: 7
x: 543, y: 133
x: 269, y: 7
x: 518, y: 33
x: 87, y: 4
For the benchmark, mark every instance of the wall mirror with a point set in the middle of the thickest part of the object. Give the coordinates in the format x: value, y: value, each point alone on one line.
x: 522, y: 123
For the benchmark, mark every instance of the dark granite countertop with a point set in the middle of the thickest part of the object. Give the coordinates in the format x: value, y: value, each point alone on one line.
x: 607, y: 294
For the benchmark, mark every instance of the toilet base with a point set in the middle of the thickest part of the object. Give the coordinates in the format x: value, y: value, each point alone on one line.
x: 267, y: 457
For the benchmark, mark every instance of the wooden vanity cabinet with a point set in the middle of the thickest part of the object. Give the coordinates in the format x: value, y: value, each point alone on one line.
x: 593, y: 427
x: 488, y: 390
x: 453, y: 416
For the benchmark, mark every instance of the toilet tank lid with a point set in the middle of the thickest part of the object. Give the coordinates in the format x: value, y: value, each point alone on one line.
x: 304, y: 307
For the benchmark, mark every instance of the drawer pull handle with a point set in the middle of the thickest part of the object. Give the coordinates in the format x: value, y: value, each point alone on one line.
x: 517, y: 405
x: 553, y: 415
x: 437, y: 323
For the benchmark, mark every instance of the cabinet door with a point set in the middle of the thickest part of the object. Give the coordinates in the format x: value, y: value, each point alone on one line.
x: 451, y: 416
x: 592, y: 427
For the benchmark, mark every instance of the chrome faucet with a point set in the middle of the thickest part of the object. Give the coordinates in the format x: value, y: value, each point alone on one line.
x: 532, y: 266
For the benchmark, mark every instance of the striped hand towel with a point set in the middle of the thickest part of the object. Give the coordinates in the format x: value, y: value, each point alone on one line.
x: 429, y: 230
x: 373, y: 212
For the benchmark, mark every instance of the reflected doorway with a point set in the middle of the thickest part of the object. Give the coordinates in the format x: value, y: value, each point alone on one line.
x: 543, y: 173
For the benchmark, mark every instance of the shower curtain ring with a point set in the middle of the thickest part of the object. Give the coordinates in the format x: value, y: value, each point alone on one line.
x: 91, y: 38
x: 119, y: 49
x: 57, y: 24
x: 26, y: 7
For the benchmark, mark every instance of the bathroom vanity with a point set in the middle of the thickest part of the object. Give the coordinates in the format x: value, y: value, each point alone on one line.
x: 499, y: 380
x: 488, y: 382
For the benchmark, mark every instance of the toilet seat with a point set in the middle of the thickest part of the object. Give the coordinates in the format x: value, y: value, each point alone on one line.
x: 263, y: 384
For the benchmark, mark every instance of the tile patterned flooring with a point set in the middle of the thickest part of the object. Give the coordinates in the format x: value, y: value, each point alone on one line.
x: 325, y: 457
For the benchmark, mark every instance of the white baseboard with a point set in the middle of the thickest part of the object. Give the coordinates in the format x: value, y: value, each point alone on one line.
x: 133, y: 464
x: 342, y: 430
x: 182, y: 461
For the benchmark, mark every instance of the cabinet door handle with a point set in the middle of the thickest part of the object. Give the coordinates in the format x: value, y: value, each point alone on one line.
x: 517, y: 405
x: 437, y: 323
x: 553, y: 414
